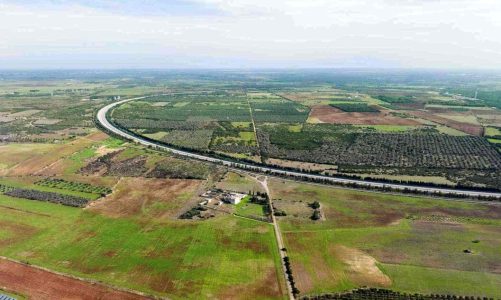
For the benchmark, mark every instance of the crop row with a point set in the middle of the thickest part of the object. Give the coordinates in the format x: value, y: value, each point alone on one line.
x: 354, y: 107
x: 384, y: 294
x: 196, y: 139
x: 192, y: 111
x: 285, y: 111
x: 390, y: 150
x: 5, y: 188
x: 74, y: 186
x: 48, y: 197
x: 164, y: 125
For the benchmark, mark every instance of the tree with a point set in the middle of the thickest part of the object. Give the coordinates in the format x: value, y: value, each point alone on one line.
x: 316, y: 215
x: 315, y: 205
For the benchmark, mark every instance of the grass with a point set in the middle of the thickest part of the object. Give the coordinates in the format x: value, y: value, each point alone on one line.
x: 15, y: 296
x: 396, y: 231
x: 157, y: 135
x: 295, y: 128
x: 450, y: 131
x: 246, y: 208
x: 248, y: 137
x: 241, y: 125
x: 494, y: 141
x: 430, y: 280
x: 182, y: 260
x: 239, y: 183
x: 77, y: 160
x: 414, y: 178
x: 181, y: 104
x: 12, y: 154
x: 113, y: 143
x: 492, y: 131
x: 461, y: 118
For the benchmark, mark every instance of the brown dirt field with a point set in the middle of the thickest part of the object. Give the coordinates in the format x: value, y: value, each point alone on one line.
x: 476, y: 130
x: 268, y: 288
x: 331, y: 115
x: 98, y: 136
x: 54, y: 169
x: 492, y: 120
x: 94, y: 180
x: 302, y: 277
x: 37, y: 163
x: 103, y: 150
x: 136, y: 196
x: 362, y: 268
x: 41, y: 284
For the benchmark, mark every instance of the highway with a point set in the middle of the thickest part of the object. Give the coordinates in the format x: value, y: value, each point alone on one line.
x: 102, y: 119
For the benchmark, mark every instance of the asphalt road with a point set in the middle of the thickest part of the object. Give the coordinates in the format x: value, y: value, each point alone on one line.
x: 101, y: 118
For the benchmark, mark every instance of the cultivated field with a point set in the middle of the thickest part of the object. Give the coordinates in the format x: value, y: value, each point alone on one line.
x: 77, y: 201
x: 353, y: 130
x: 404, y: 243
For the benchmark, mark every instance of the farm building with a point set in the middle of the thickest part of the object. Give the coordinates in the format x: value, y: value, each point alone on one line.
x: 233, y: 198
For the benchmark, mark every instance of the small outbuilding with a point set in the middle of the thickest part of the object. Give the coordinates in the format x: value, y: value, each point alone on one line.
x: 233, y: 198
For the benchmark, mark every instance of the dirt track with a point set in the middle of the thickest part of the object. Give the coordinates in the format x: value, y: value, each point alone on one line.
x: 38, y: 284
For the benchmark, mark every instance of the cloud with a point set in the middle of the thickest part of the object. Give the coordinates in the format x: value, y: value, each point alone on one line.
x: 251, y: 33
x: 127, y: 7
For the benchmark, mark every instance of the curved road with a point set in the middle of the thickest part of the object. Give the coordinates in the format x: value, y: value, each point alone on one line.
x: 101, y: 118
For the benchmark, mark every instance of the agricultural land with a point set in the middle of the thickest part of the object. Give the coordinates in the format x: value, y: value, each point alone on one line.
x: 100, y: 217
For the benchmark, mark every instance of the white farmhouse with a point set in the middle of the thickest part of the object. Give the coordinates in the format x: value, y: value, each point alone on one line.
x: 233, y: 198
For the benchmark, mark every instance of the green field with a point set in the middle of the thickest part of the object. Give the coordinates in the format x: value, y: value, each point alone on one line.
x: 178, y: 259
x: 218, y: 118
x: 239, y: 183
x: 374, y: 239
x: 433, y: 281
x: 422, y: 127
x: 248, y: 209
x: 491, y: 131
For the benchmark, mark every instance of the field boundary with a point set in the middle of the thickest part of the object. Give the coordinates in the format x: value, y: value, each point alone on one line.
x: 102, y: 120
x: 86, y: 280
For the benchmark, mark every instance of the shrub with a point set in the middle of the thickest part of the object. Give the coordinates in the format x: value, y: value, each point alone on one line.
x: 49, y: 197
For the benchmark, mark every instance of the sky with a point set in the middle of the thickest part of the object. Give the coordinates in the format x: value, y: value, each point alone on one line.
x: 98, y: 34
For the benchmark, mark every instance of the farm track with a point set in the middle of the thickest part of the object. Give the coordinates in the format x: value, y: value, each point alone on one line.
x: 278, y: 236
x: 105, y: 123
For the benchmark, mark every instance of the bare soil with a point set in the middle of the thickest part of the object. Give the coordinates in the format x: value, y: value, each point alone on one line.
x: 331, y: 115
x: 465, y: 127
x: 267, y: 288
x: 129, y: 200
x: 362, y: 267
x: 40, y: 284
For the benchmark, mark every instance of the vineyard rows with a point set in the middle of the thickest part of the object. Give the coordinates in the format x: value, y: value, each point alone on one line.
x: 48, y: 197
